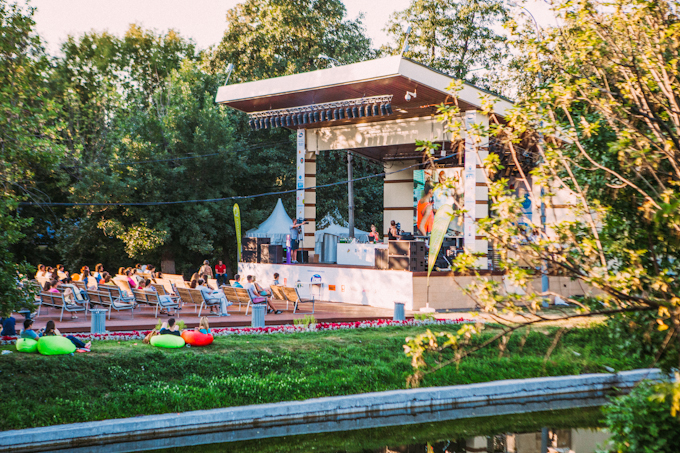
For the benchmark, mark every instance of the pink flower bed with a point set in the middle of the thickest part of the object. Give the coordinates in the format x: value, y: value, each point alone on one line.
x: 288, y: 328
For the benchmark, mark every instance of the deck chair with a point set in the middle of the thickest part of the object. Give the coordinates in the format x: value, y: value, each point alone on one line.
x: 118, y: 296
x: 161, y: 303
x: 245, y: 297
x: 56, y: 300
x: 278, y: 294
x: 187, y: 297
x: 108, y: 301
x: 207, y: 301
x: 232, y: 296
x: 293, y: 295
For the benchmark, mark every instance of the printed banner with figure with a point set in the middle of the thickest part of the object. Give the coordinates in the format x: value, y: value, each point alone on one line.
x: 433, y: 189
x: 237, y: 224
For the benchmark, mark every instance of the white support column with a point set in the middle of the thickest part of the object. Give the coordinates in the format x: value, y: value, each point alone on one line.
x: 305, y: 199
x: 476, y: 190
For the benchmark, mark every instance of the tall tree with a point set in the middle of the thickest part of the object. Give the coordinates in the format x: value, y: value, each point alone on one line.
x: 607, y: 111
x: 271, y: 38
x: 453, y: 36
x: 26, y: 138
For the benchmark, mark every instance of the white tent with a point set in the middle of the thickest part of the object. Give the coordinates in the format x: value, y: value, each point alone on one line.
x: 340, y: 231
x: 276, y: 227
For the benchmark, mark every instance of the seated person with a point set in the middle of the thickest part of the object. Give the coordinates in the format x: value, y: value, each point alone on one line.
x: 28, y: 331
x: 52, y: 331
x: 260, y: 290
x: 276, y: 280
x: 170, y: 328
x: 209, y: 293
x: 8, y: 326
x: 257, y: 298
x: 106, y: 279
x: 237, y: 283
x: 203, y: 326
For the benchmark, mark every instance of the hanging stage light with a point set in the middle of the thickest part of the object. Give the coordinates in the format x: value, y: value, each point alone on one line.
x: 286, y: 120
x: 278, y: 121
x: 362, y: 113
x: 295, y: 119
x: 383, y: 110
x: 336, y: 114
x: 388, y: 107
x: 355, y: 112
x: 317, y: 116
x: 267, y: 123
x: 301, y: 118
x: 322, y: 116
x: 329, y: 115
x: 251, y: 124
x: 342, y: 113
x: 348, y: 113
x: 376, y: 110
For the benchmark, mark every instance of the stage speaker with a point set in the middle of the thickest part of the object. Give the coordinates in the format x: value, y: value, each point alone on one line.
x: 405, y: 263
x: 271, y: 254
x: 249, y: 256
x: 406, y: 248
x: 381, y: 259
x: 302, y: 256
x: 250, y: 244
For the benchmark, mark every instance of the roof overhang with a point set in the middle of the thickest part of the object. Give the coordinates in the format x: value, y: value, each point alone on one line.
x: 386, y: 76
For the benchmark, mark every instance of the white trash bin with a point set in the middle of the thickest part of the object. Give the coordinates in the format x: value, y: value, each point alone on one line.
x: 98, y: 317
x: 399, y: 313
x: 258, y: 315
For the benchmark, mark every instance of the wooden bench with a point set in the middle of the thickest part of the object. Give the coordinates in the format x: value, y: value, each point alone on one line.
x: 56, y: 300
x: 278, y: 294
x: 105, y: 299
x: 293, y: 295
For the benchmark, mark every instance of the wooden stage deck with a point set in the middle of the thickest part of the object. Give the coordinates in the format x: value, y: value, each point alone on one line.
x: 144, y: 317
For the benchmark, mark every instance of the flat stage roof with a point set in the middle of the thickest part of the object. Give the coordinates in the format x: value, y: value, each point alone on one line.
x: 385, y: 76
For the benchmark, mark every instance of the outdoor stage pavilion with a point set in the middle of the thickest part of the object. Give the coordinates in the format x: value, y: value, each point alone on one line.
x: 377, y: 109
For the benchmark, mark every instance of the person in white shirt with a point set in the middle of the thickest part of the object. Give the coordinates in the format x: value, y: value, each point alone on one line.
x: 258, y: 298
x: 210, y: 293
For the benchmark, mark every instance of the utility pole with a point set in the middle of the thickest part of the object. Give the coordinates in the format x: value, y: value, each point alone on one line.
x: 350, y: 194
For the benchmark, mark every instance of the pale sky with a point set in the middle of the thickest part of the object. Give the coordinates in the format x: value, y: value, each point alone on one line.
x: 202, y: 20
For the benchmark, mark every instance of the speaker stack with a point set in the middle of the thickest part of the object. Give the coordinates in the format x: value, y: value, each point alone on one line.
x: 250, y: 252
x: 271, y: 254
x: 407, y: 256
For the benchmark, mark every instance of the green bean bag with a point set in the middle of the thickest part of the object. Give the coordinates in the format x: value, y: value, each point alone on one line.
x: 27, y: 345
x: 167, y: 341
x: 55, y: 346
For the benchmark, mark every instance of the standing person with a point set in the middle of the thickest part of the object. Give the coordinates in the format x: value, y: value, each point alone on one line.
x: 393, y: 233
x: 257, y: 298
x: 373, y: 236
x: 206, y: 269
x: 425, y: 214
x: 276, y: 280
x: 221, y: 273
x: 295, y: 231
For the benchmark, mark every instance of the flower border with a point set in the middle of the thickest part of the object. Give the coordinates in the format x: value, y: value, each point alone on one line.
x: 267, y: 330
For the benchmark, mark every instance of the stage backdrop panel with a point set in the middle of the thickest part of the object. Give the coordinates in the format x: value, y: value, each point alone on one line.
x: 361, y: 286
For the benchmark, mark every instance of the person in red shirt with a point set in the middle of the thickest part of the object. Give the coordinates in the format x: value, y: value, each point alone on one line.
x: 221, y: 274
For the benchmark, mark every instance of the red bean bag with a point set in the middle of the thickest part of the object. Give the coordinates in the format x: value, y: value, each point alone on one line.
x: 195, y: 338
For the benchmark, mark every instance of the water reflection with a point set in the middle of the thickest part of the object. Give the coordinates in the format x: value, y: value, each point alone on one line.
x: 571, y: 431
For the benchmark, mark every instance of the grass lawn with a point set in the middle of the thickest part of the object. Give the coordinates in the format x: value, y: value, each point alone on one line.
x: 124, y: 379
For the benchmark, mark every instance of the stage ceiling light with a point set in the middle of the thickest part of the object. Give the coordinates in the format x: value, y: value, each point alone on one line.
x: 348, y: 113
x: 388, y: 107
x: 376, y: 110
x: 355, y: 112
x: 383, y: 110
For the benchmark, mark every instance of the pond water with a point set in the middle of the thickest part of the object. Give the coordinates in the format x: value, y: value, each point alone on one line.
x: 564, y: 431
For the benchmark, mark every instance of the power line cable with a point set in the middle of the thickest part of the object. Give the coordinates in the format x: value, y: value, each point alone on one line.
x: 236, y: 197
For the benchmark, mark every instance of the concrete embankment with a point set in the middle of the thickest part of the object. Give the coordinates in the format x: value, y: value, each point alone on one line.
x: 341, y: 413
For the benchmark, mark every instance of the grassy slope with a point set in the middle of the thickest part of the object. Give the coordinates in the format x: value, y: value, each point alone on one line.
x: 130, y: 378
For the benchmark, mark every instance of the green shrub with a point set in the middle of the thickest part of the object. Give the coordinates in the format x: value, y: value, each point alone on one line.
x: 642, y: 423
